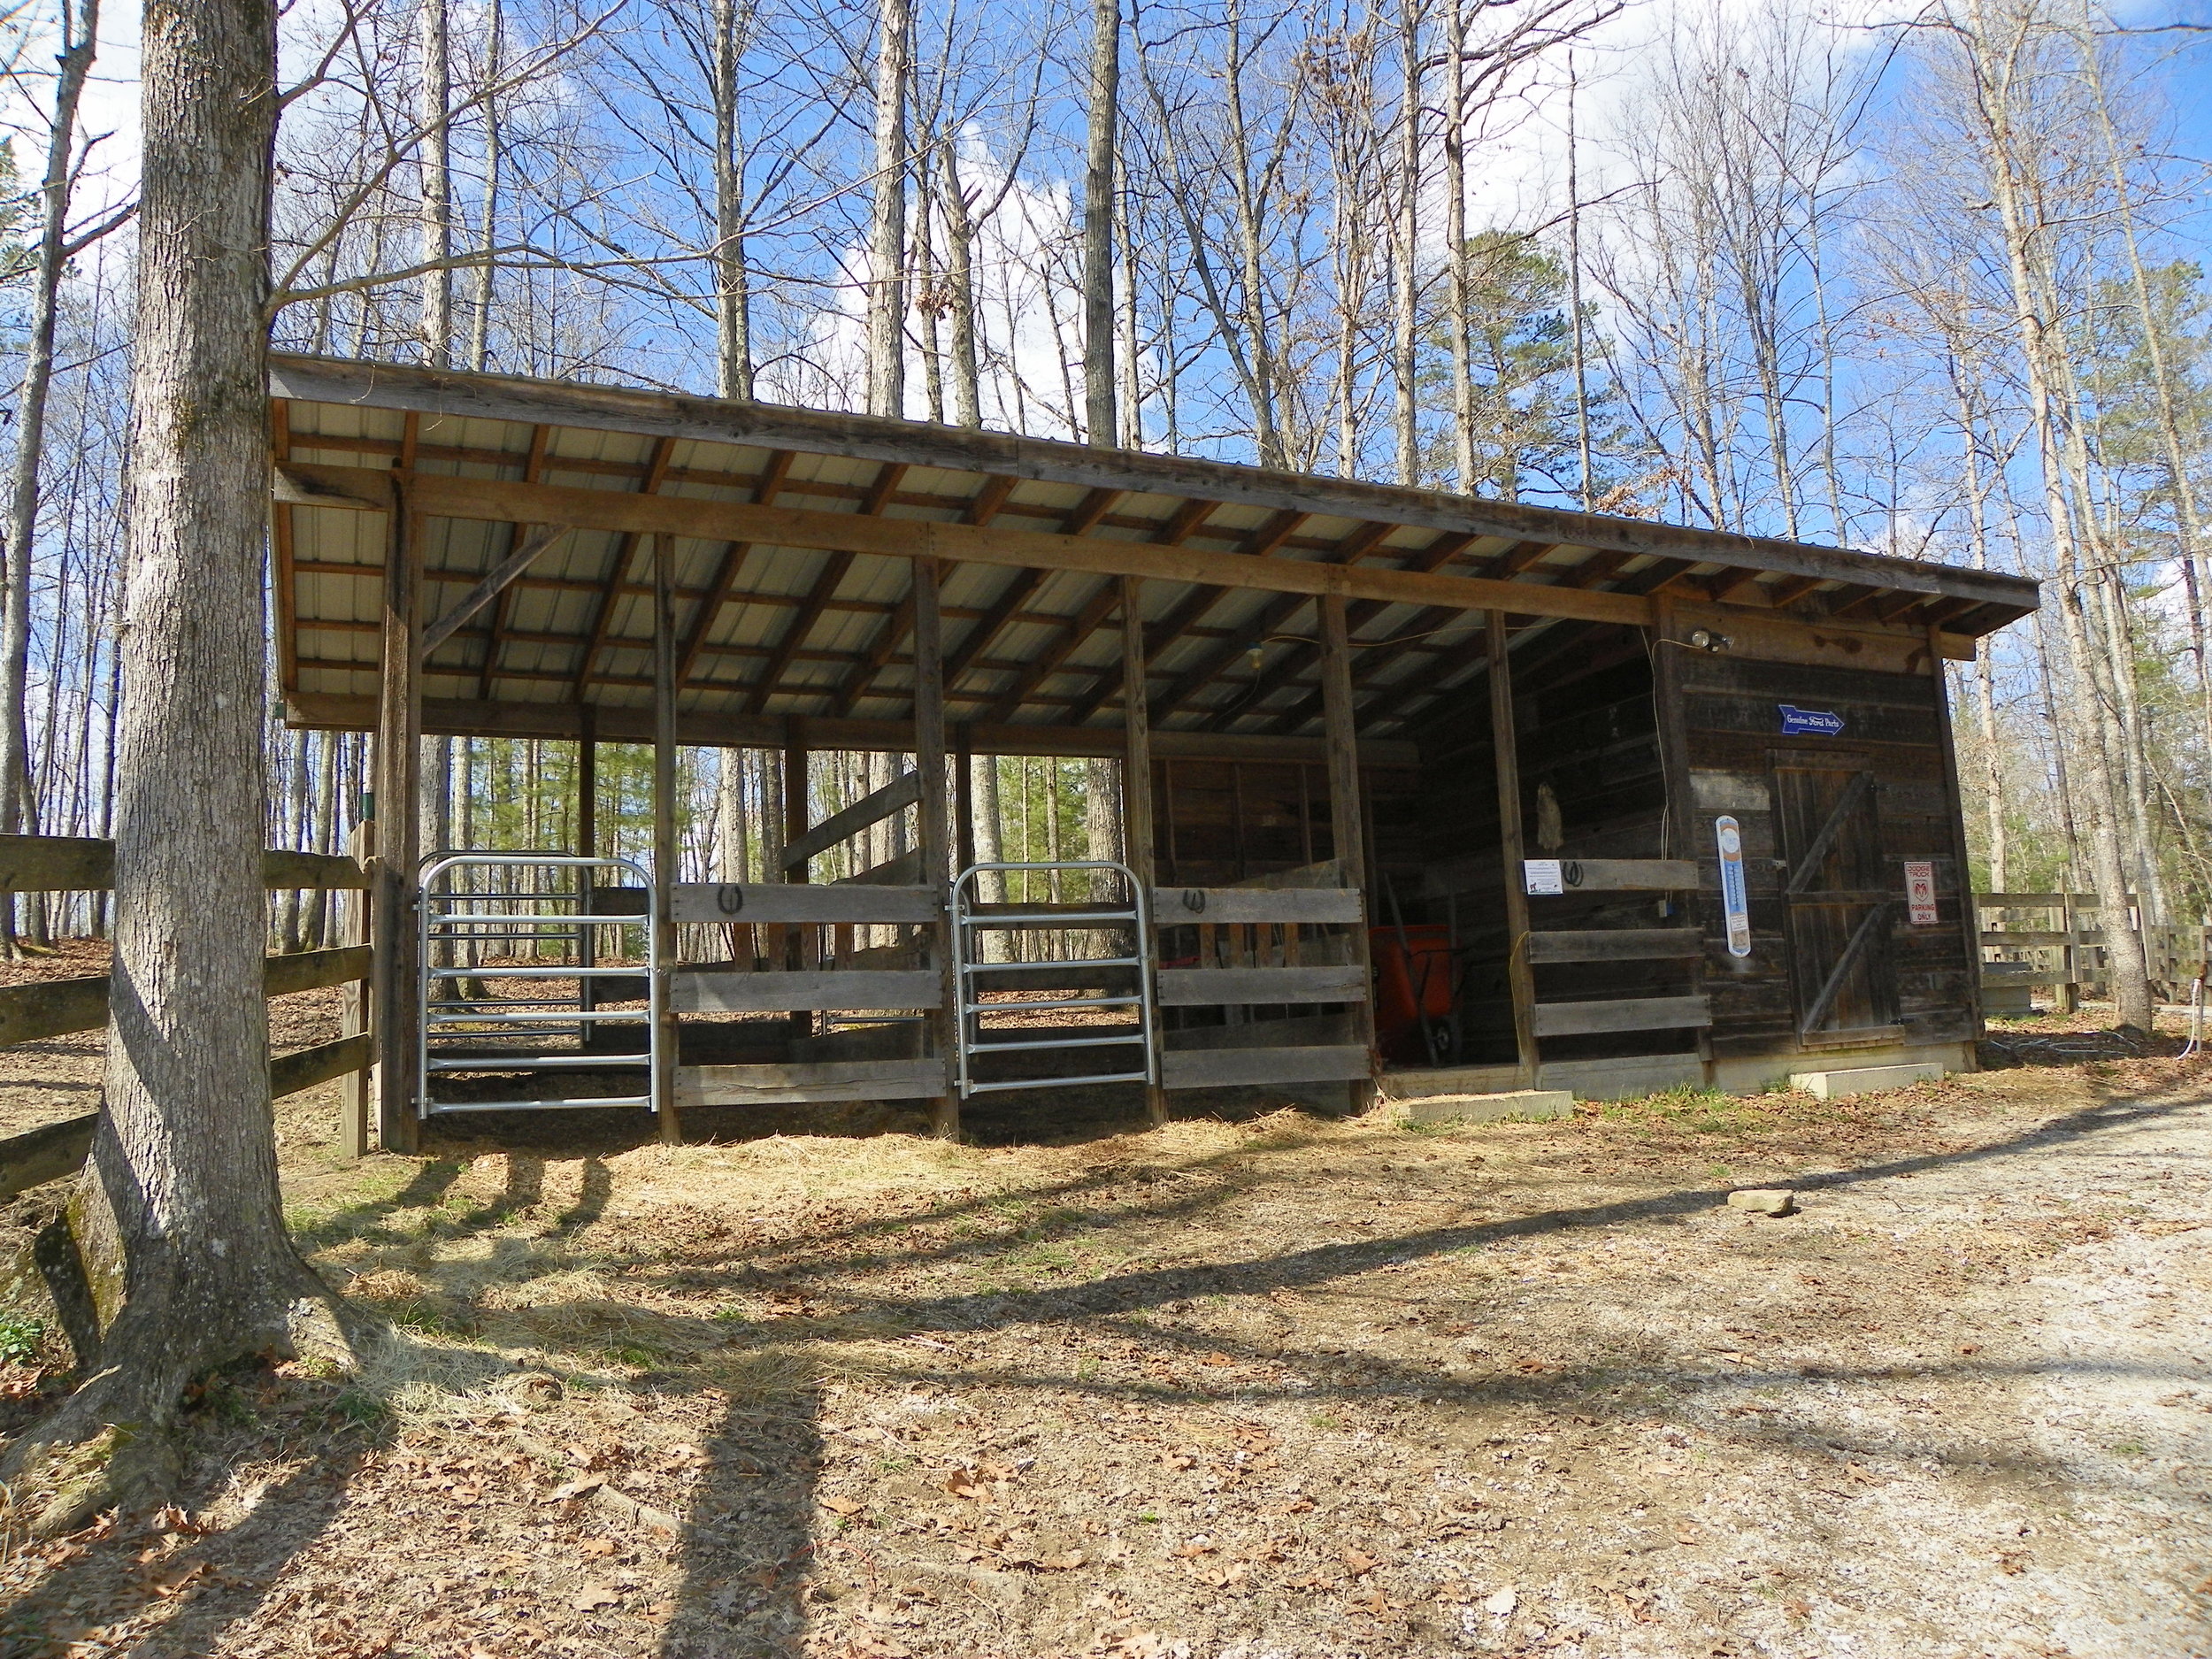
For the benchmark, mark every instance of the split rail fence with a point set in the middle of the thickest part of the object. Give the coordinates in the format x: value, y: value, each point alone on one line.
x: 40, y: 1009
x: 2055, y: 941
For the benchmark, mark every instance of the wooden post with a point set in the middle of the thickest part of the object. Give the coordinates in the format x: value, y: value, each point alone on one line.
x: 1503, y: 740
x: 1136, y: 801
x: 1969, y: 929
x: 929, y: 760
x: 1682, y: 827
x: 588, y: 847
x: 355, y: 1092
x: 2068, y: 1000
x: 1346, y: 820
x: 395, y: 1000
x: 795, y: 826
x: 964, y: 796
x: 666, y: 850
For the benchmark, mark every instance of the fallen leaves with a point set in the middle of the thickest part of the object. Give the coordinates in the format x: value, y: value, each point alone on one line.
x: 592, y: 1598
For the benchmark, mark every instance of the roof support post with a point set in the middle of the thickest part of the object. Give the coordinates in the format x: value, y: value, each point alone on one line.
x: 1506, y: 753
x: 1682, y: 830
x: 932, y: 825
x: 1961, y: 867
x: 1136, y: 800
x: 394, y: 1005
x: 794, y: 829
x: 587, y: 845
x: 1346, y: 820
x: 666, y: 848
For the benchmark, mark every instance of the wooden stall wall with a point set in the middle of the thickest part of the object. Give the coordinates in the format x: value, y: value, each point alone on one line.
x: 1590, y: 788
x: 1908, y: 984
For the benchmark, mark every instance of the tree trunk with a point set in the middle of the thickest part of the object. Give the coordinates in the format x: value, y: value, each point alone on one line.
x: 887, y: 233
x: 733, y: 305
x: 78, y: 45
x: 177, y: 1217
x: 967, y: 391
x: 1099, y: 425
x: 437, y: 189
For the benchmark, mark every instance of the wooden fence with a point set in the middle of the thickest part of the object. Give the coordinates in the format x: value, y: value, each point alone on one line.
x: 2055, y: 941
x: 43, y: 1009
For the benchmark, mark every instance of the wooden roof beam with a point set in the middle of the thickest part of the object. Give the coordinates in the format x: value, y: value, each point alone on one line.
x: 824, y: 589
x: 502, y: 607
x: 984, y: 508
x: 733, y: 553
x: 618, y: 576
x: 1274, y: 614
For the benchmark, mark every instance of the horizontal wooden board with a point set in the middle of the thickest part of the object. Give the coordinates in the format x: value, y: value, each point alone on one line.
x: 304, y: 1068
x: 905, y: 871
x: 1225, y: 1068
x: 1645, y: 1013
x: 59, y: 863
x: 53, y: 1008
x: 899, y: 792
x: 47, y: 1153
x: 770, y: 901
x: 1173, y: 906
x: 782, y: 992
x: 311, y: 970
x: 1617, y: 944
x: 801, y: 1083
x: 1199, y: 987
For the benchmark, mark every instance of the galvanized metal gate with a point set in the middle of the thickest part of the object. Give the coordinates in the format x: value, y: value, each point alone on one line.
x: 1018, y: 923
x: 552, y: 918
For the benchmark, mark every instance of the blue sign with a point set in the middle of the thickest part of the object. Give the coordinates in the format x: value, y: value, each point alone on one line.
x: 1735, y: 899
x: 1809, y: 722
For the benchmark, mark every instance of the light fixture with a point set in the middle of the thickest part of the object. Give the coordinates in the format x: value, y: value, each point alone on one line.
x: 1706, y: 640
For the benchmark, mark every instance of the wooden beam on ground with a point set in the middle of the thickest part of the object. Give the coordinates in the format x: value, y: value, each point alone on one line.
x: 1347, y: 813
x: 931, y: 843
x: 1136, y: 802
x: 1506, y: 756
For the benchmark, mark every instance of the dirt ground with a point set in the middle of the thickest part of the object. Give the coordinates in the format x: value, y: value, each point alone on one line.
x: 1286, y: 1388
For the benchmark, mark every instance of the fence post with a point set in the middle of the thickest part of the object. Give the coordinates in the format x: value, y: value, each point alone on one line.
x: 2069, y: 998
x: 355, y: 1096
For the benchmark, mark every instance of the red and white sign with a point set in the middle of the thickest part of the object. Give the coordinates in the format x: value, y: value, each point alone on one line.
x: 1920, y: 892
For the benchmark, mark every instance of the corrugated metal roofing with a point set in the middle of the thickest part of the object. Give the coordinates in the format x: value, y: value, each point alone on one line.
x: 774, y: 630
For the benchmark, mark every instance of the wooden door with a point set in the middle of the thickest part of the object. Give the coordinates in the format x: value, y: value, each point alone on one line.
x: 1837, y: 909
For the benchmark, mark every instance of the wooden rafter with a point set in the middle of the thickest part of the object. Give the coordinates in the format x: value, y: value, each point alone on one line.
x: 1434, y: 556
x: 981, y: 511
x: 1787, y: 592
x: 618, y: 577
x: 826, y: 584
x: 502, y: 608
x: 1275, y: 613
x: 1186, y: 522
x: 1519, y: 558
x: 1106, y: 602
x: 733, y: 554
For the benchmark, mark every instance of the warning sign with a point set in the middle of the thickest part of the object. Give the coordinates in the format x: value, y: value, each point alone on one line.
x: 1920, y: 891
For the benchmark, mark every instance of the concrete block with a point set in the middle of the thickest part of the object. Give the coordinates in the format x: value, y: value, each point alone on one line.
x: 1865, y: 1080
x: 1527, y: 1103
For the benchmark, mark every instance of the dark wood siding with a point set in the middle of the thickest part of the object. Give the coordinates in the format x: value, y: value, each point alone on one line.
x: 1738, y: 750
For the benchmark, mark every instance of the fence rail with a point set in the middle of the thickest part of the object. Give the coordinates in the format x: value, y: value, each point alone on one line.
x: 40, y: 1009
x: 2055, y: 941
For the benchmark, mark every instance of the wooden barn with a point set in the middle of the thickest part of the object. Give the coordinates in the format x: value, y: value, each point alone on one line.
x: 1472, y: 794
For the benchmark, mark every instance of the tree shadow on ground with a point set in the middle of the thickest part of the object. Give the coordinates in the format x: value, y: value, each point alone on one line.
x: 745, y: 1553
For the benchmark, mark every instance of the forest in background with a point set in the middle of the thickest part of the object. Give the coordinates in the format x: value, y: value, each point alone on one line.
x: 1927, y: 288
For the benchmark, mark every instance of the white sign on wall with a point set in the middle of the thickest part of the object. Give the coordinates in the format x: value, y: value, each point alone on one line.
x: 1920, y: 891
x: 1543, y: 877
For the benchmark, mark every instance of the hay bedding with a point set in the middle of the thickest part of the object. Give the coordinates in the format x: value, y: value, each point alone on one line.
x: 1288, y: 1389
